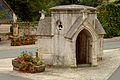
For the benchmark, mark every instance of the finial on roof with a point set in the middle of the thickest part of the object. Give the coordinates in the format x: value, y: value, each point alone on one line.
x: 42, y: 14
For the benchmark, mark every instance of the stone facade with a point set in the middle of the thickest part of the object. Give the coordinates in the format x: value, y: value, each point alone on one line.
x: 72, y: 36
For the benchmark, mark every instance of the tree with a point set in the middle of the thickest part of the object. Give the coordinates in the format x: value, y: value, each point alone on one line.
x: 69, y: 1
x: 109, y: 18
x: 28, y: 10
x: 93, y: 3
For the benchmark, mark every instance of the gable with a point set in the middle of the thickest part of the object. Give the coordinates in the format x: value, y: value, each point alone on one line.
x: 74, y: 27
x: 77, y: 24
x: 98, y: 27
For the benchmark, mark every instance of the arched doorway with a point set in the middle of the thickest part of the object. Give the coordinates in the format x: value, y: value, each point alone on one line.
x: 83, y: 47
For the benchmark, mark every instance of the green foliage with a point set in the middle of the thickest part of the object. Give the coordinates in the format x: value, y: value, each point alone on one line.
x: 28, y: 10
x: 117, y: 2
x: 109, y: 16
x: 2, y: 14
x: 64, y: 2
x: 93, y: 3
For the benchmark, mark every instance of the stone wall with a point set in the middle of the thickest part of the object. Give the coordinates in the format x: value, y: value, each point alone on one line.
x: 45, y: 46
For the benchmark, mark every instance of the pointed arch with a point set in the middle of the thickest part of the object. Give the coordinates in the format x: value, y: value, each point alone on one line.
x: 83, y: 47
x: 89, y: 56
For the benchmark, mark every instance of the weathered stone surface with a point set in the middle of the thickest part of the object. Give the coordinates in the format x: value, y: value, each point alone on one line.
x: 44, y: 27
x: 71, y: 24
x: 72, y: 7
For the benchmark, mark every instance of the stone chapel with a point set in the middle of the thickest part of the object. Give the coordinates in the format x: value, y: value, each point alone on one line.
x: 72, y: 36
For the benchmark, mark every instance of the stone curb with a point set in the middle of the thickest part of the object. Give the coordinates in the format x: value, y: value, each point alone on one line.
x: 109, y: 50
x: 114, y: 38
x: 17, y: 47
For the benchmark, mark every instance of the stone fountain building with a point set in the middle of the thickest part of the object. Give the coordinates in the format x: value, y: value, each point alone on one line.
x: 72, y: 36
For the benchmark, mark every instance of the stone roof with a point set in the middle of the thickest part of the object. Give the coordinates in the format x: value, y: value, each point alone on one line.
x: 6, y: 21
x: 98, y: 27
x: 6, y: 5
x: 8, y: 11
x: 72, y: 7
x: 44, y: 27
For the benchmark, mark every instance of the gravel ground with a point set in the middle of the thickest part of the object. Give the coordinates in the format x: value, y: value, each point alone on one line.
x: 106, y: 67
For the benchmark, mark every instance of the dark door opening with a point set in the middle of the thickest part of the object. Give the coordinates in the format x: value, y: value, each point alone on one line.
x: 83, y: 47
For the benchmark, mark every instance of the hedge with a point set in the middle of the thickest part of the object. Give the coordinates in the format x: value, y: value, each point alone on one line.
x: 109, y: 16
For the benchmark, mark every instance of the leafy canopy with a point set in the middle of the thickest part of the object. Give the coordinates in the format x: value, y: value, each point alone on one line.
x: 109, y: 16
x: 28, y: 10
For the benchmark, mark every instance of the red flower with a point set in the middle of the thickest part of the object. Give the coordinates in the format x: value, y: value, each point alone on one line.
x: 19, y: 38
x: 27, y: 62
x: 18, y: 44
x: 18, y: 60
x: 24, y: 58
x: 26, y: 55
x: 24, y: 70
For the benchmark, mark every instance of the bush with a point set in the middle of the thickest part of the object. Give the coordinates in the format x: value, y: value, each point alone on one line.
x: 109, y: 16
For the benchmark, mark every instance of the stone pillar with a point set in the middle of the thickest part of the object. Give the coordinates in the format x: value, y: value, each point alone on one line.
x: 15, y: 29
x: 94, y: 54
x: 94, y: 61
x: 101, y: 47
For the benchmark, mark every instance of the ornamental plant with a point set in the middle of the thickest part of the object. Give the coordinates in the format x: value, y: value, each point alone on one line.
x: 22, y: 41
x: 27, y: 63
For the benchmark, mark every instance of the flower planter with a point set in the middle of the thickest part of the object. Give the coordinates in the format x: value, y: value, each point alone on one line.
x: 37, y: 69
x: 18, y: 41
x: 40, y: 68
x: 15, y: 63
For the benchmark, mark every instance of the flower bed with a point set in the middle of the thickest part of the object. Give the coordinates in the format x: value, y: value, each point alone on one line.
x: 26, y: 63
x: 18, y: 41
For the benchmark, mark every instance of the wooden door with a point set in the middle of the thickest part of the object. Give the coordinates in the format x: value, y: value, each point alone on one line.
x: 83, y: 48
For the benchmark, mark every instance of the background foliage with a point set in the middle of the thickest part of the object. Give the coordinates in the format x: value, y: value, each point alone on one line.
x: 109, y: 13
x: 93, y: 3
x: 109, y: 16
x: 2, y: 14
x: 28, y: 10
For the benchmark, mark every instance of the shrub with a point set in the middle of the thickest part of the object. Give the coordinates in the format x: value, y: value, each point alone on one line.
x: 109, y: 16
